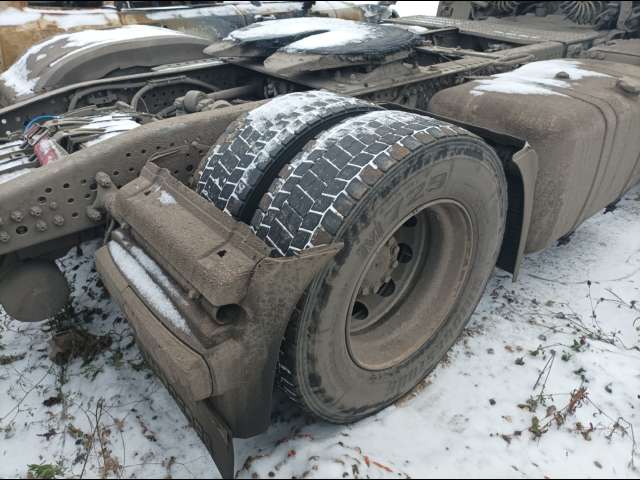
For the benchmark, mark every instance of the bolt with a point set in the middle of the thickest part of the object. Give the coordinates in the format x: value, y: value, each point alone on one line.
x: 42, y: 226
x: 53, y: 205
x: 103, y: 180
x: 193, y: 295
x: 35, y: 211
x: 58, y: 220
x: 94, y: 214
x: 563, y: 75
x: 4, y: 237
x: 17, y: 216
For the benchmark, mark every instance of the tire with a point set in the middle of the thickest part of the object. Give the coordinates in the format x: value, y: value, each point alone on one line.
x: 239, y: 169
x: 369, y: 182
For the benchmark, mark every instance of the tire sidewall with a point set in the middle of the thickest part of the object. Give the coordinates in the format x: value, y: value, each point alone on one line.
x: 462, y: 169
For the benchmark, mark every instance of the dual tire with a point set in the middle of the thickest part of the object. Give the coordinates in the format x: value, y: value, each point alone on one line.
x: 420, y: 206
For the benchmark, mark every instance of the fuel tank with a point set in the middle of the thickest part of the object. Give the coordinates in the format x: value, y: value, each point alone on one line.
x: 582, y: 117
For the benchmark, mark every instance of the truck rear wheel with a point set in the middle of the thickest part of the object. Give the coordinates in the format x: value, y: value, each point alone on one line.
x: 239, y: 169
x: 420, y: 207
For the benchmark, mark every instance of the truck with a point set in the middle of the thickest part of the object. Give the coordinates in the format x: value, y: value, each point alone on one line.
x: 323, y: 212
x: 38, y: 40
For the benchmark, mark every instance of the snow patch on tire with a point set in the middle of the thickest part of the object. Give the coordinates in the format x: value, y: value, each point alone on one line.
x: 259, y: 142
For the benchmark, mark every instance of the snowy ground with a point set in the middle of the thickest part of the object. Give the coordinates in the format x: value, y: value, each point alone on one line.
x: 545, y: 382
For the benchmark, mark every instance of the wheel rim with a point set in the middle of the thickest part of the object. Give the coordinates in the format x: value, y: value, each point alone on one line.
x: 409, y: 285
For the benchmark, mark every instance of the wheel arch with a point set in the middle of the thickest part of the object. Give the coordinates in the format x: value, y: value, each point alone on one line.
x: 520, y: 164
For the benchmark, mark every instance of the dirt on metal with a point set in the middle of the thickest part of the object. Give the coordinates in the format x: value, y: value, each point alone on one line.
x: 296, y: 188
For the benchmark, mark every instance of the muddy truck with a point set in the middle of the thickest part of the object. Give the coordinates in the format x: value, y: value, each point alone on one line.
x: 320, y: 205
x: 40, y: 41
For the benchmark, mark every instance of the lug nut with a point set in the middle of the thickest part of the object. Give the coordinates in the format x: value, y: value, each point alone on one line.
x: 35, y: 211
x: 17, y: 216
x: 4, y: 237
x: 58, y: 220
x: 42, y: 226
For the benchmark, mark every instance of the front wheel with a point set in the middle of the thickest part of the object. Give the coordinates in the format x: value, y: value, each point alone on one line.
x: 420, y: 207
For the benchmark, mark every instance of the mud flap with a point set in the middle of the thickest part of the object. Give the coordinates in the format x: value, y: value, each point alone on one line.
x: 212, y: 430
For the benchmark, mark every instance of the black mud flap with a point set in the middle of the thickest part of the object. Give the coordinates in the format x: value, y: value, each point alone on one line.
x: 212, y: 430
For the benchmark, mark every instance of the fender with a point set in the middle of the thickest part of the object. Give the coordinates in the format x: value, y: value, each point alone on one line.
x: 93, y: 54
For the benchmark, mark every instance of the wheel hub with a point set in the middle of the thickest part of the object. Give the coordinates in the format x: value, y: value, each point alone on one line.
x: 409, y: 284
x: 381, y: 269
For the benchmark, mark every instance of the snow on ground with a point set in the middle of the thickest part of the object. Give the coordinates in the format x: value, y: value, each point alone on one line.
x: 549, y: 348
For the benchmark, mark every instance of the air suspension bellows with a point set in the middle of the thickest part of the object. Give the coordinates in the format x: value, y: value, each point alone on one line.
x: 583, y: 13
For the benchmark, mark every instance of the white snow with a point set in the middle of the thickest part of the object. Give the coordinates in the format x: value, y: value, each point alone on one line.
x: 154, y: 269
x: 294, y: 26
x: 133, y: 270
x: 408, y: 8
x: 166, y: 198
x: 354, y: 126
x: 334, y: 39
x: 112, y: 125
x: 64, y: 19
x: 19, y: 77
x: 412, y: 28
x: 269, y: 113
x: 86, y: 39
x: 284, y: 105
x: 536, y: 78
x: 12, y: 16
x: 446, y: 428
x: 317, y: 32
